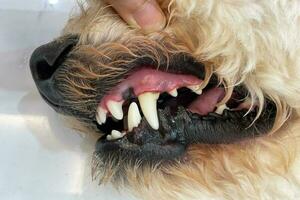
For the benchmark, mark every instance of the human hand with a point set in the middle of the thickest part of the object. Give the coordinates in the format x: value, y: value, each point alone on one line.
x: 144, y: 14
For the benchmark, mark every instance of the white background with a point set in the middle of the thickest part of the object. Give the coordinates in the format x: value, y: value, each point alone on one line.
x: 40, y: 158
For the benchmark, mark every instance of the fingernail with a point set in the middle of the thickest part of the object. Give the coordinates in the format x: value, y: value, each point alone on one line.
x: 150, y: 17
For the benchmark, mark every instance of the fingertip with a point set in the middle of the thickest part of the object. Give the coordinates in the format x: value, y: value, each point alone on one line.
x: 142, y: 14
x: 149, y: 17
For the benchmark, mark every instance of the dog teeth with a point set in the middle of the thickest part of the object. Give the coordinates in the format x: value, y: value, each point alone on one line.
x: 196, y: 88
x: 115, y: 135
x: 173, y: 92
x: 134, y: 116
x: 109, y: 137
x: 220, y: 109
x: 101, y: 115
x: 148, y: 101
x: 148, y: 105
x: 115, y: 108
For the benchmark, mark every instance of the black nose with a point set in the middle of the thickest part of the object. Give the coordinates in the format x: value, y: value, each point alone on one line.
x: 47, y: 58
x: 44, y: 62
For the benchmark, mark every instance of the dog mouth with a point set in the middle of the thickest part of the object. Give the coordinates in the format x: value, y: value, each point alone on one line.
x: 147, y: 90
x: 143, y: 111
x: 155, y: 114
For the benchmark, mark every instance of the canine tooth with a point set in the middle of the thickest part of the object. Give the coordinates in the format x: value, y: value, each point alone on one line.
x: 116, y: 134
x: 148, y: 102
x: 196, y: 88
x: 173, y: 92
x: 220, y: 109
x: 101, y: 115
x: 115, y: 108
x: 134, y: 116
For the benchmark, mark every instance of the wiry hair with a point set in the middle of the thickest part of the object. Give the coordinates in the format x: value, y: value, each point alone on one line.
x: 236, y: 171
x: 254, y: 43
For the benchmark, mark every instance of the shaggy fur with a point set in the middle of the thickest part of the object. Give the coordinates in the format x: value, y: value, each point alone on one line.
x: 256, y: 43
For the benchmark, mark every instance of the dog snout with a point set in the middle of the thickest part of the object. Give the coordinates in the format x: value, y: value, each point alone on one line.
x: 45, y: 61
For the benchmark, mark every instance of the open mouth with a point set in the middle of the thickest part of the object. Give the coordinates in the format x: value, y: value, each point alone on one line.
x: 144, y: 112
x: 157, y: 114
x: 146, y: 90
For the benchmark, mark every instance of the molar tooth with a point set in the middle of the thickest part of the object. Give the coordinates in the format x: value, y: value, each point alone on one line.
x: 134, y: 116
x: 196, y: 88
x: 220, y: 109
x: 101, y: 115
x: 173, y: 92
x: 148, y: 102
x: 115, y: 108
x: 116, y: 134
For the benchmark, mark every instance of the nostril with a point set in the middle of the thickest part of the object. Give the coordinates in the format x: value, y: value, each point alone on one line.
x: 43, y: 70
x: 41, y: 67
x: 46, y: 59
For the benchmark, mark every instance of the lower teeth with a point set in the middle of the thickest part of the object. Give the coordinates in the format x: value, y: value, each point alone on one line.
x: 220, y: 109
x: 115, y: 135
x: 134, y: 116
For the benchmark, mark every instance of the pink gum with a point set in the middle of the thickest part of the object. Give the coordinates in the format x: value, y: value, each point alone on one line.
x: 149, y: 80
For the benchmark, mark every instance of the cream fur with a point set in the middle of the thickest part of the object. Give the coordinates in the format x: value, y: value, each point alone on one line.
x: 254, y: 42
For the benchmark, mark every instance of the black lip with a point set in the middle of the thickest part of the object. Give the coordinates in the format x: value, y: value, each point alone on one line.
x: 178, y: 131
x: 146, y: 143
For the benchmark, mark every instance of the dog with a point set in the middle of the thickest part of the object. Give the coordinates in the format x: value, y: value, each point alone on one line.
x: 207, y: 108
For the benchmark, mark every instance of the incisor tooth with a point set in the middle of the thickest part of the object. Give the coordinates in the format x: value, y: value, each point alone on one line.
x: 134, y: 116
x: 109, y: 137
x: 220, y: 109
x: 98, y: 119
x: 148, y: 101
x: 101, y: 115
x: 173, y: 92
x: 115, y: 108
x: 116, y: 134
x: 196, y: 88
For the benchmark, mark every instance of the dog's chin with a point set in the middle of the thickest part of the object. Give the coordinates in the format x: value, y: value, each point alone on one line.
x: 187, y: 117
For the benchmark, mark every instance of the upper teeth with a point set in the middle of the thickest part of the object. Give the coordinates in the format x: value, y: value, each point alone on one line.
x: 148, y: 105
x: 101, y: 115
x: 134, y: 116
x: 196, y: 88
x: 115, y: 108
x: 173, y: 92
